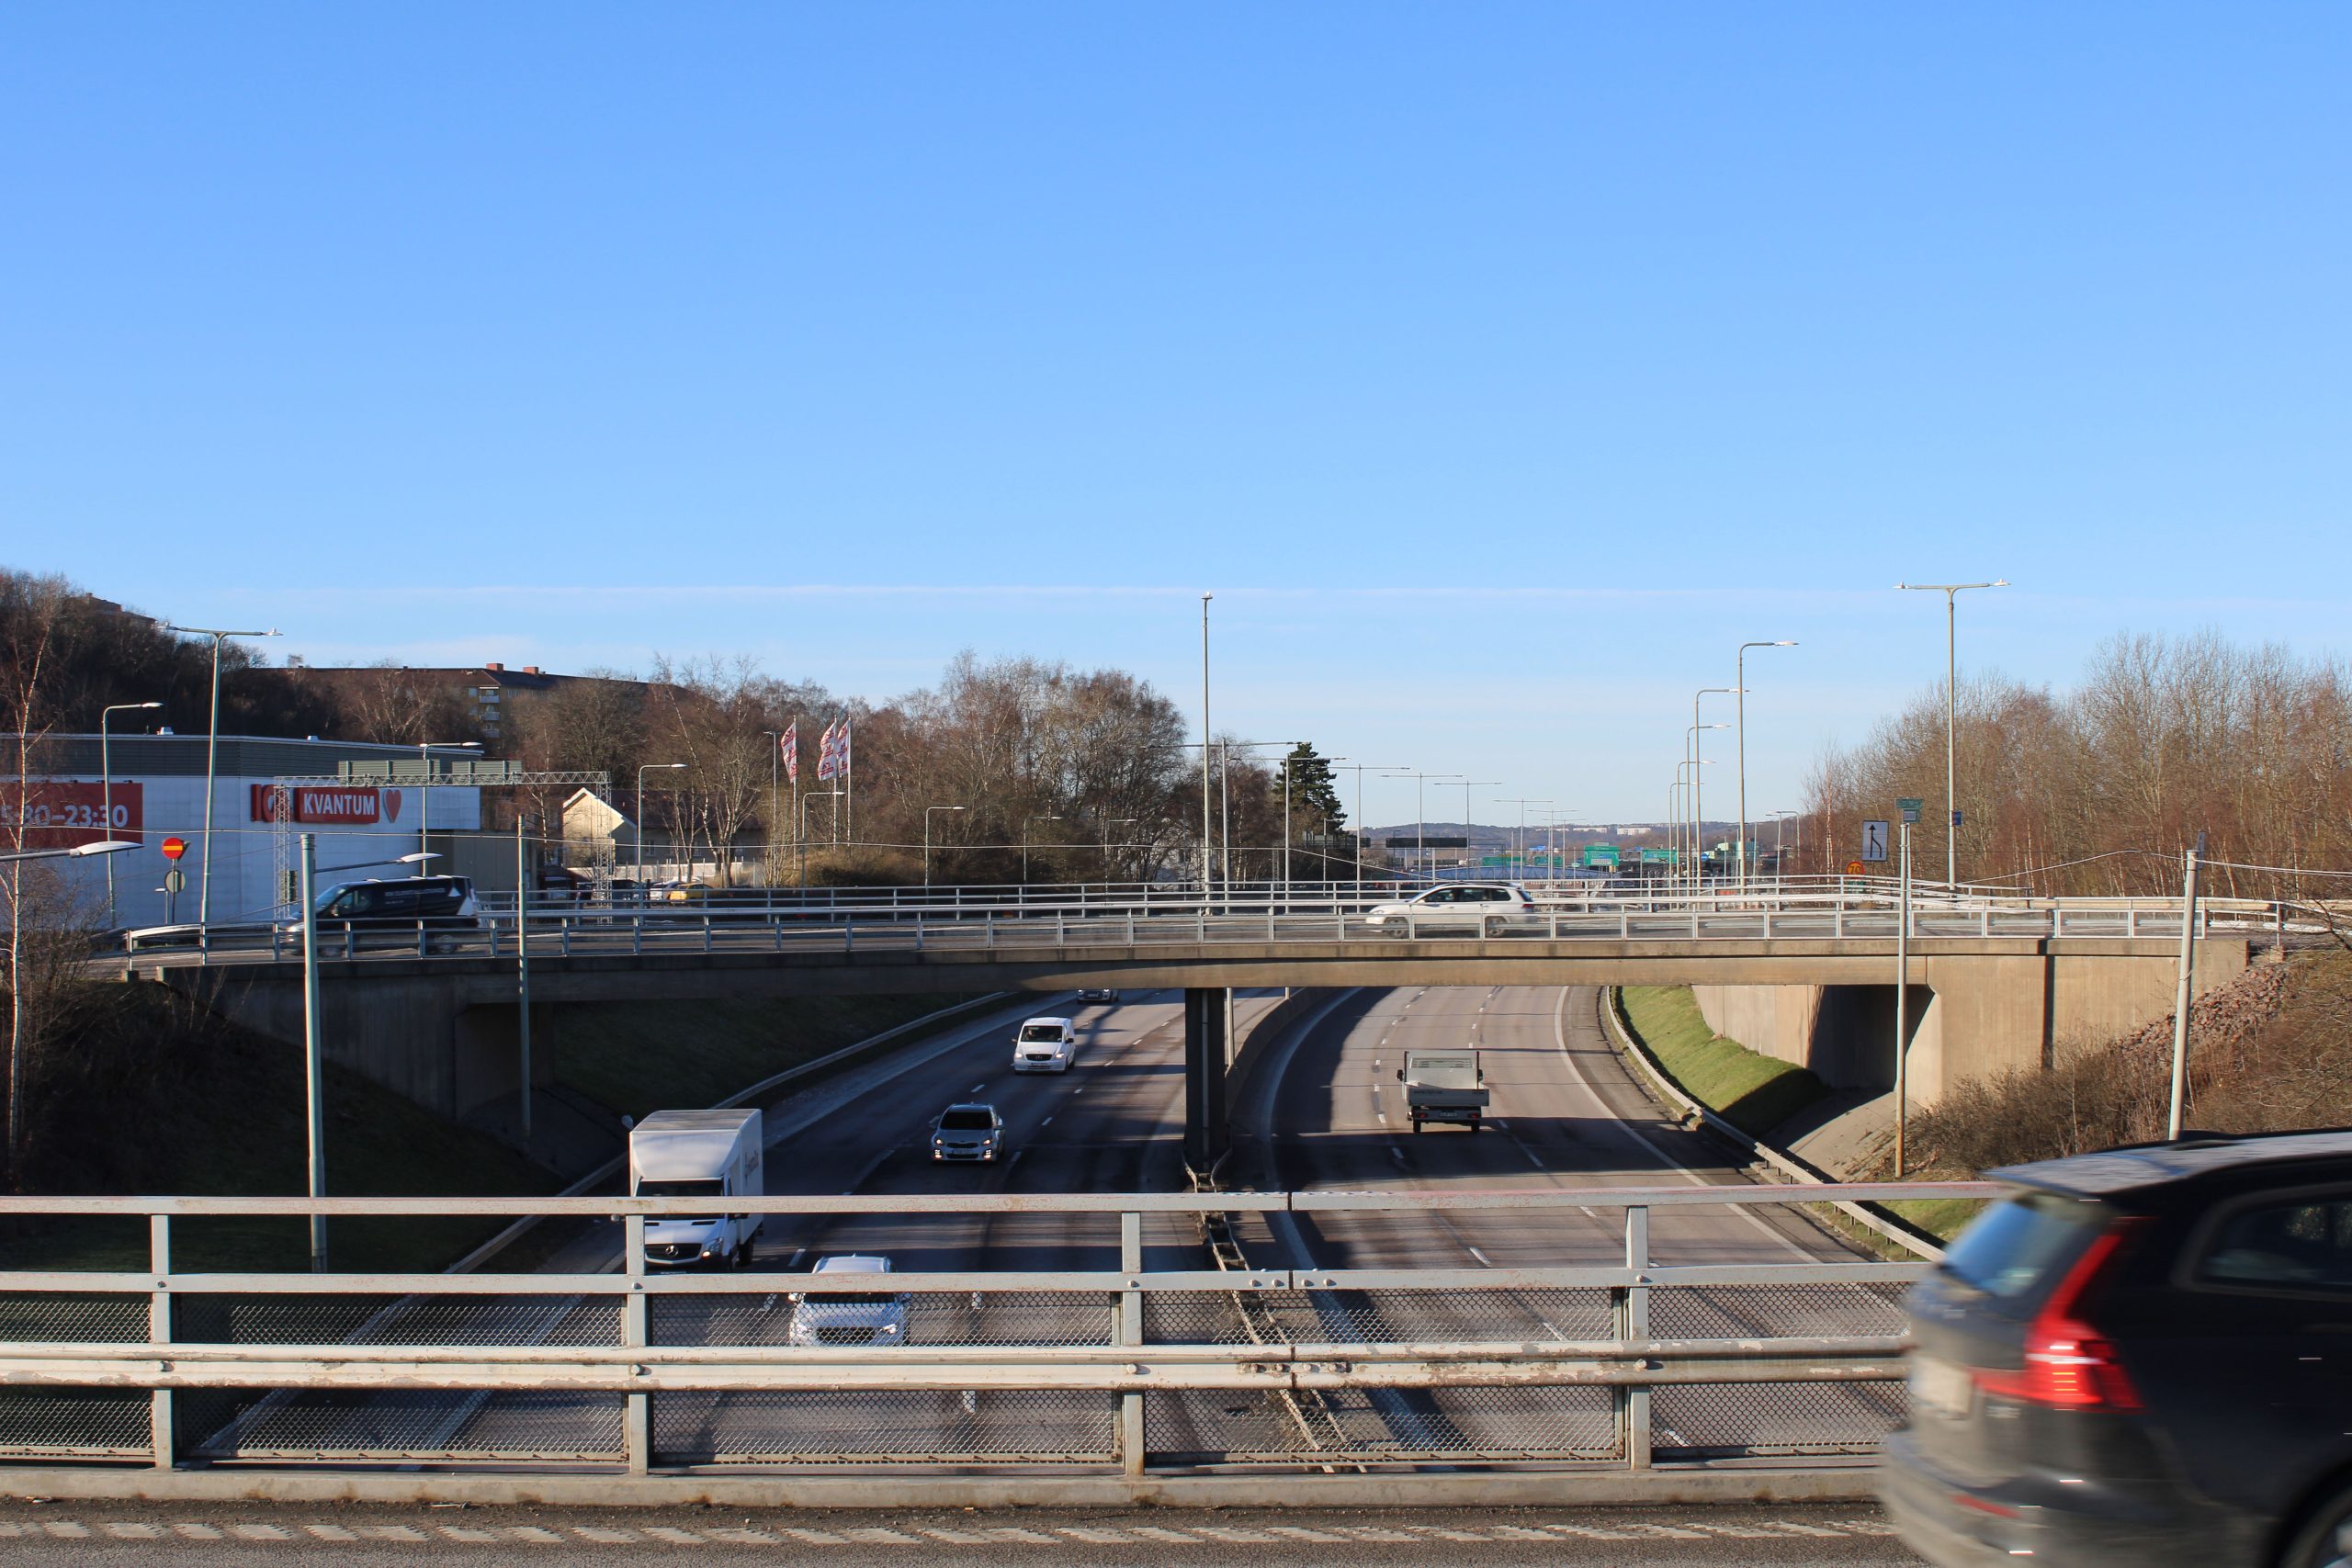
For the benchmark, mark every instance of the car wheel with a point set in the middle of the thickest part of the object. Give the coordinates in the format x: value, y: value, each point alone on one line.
x: 1494, y: 925
x: 2325, y: 1539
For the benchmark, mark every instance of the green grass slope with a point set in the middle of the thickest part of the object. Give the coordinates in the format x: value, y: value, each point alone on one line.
x: 1752, y: 1091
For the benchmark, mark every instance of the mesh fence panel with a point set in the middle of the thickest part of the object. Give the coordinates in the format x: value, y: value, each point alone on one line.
x: 73, y: 1423
x: 1715, y: 1420
x: 1393, y: 1425
x: 930, y: 1317
x: 1738, y: 1312
x: 66, y: 1318
x: 983, y: 1426
x: 397, y: 1320
x: 1316, y: 1316
x: 255, y: 1424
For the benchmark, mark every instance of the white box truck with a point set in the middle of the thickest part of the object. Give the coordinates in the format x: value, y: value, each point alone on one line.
x: 1443, y: 1086
x: 698, y: 1154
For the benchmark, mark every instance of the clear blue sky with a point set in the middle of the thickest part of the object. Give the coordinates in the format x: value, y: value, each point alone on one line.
x: 1501, y: 368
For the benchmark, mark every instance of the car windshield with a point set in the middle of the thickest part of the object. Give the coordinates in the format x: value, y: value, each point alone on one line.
x: 859, y: 1298
x: 964, y: 1121
x: 1046, y: 1033
x: 2014, y: 1247
x: 682, y: 1187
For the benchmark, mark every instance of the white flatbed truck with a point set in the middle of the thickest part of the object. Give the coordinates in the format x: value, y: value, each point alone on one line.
x: 1443, y: 1086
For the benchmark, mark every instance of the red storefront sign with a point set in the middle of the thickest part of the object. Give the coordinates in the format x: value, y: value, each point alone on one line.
x: 61, y: 813
x: 331, y: 804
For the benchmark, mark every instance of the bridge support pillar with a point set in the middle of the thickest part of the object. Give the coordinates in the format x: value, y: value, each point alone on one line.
x: 1207, y: 1054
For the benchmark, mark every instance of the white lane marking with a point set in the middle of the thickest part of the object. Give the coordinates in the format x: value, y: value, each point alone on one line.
x: 1396, y: 1153
x: 1300, y: 1532
x: 673, y: 1535
x: 1560, y: 1037
x: 1093, y: 1536
x: 242, y: 1532
x: 813, y: 1538
x: 470, y: 1537
x: 1586, y: 1532
x: 336, y: 1532
x: 603, y: 1536
x: 1047, y: 1123
x: 1670, y: 1531
x: 740, y: 1536
x: 137, y: 1532
x: 977, y: 1086
x: 204, y: 1532
x: 1384, y: 1117
x: 1482, y: 1257
x: 533, y: 1534
x: 798, y: 1254
x: 1794, y: 1529
x: 1153, y: 1532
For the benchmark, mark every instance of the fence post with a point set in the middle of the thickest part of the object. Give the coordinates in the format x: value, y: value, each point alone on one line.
x: 636, y: 1422
x: 1131, y: 928
x: 1131, y: 1437
x: 1637, y: 1327
x: 159, y: 1332
x: 636, y: 935
x: 918, y: 931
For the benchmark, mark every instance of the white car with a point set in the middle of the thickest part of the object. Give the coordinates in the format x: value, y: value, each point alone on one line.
x: 1486, y: 909
x: 1045, y: 1046
x: 855, y: 1317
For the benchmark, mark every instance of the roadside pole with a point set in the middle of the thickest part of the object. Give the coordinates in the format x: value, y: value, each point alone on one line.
x: 312, y: 1087
x: 522, y: 967
x: 2187, y: 977
x: 1903, y: 993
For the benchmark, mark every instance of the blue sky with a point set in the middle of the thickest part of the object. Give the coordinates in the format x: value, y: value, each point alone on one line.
x: 1499, y: 367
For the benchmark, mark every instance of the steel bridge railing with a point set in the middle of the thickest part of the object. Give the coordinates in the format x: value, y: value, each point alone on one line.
x: 1255, y: 916
x: 1615, y: 1362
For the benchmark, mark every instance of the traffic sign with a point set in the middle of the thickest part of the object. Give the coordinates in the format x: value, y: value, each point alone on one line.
x: 174, y: 880
x: 174, y: 848
x: 1874, y: 835
x: 1853, y: 868
x: 1909, y: 807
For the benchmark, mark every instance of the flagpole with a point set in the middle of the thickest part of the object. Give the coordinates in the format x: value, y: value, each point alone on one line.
x: 849, y: 785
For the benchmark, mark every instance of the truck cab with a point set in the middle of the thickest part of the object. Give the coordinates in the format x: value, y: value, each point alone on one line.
x: 698, y: 1154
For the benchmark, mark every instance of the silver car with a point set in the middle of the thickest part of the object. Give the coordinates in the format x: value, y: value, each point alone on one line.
x: 1484, y: 909
x: 970, y: 1132
x: 854, y: 1317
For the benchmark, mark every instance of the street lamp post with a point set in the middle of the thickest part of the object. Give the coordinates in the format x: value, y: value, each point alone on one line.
x: 1740, y: 685
x: 1951, y: 593
x: 1698, y: 822
x: 1420, y: 814
x: 1025, y: 843
x: 1519, y: 845
x: 105, y: 787
x: 1208, y: 864
x: 1358, y: 768
x: 1467, y: 784
x: 424, y: 795
x: 211, y: 751
x: 644, y: 769
x: 926, y: 839
x: 1108, y: 823
x: 1690, y: 801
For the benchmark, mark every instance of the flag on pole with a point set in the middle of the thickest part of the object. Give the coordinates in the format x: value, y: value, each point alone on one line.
x: 826, y: 766
x: 789, y: 744
x: 841, y: 747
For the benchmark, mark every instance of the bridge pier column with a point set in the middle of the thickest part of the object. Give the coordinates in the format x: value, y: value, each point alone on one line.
x: 1207, y: 1051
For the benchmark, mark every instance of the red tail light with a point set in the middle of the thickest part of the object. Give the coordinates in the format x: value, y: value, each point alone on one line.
x: 2069, y: 1365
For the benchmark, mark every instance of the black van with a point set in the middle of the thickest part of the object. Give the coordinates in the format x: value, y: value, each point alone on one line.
x: 377, y: 914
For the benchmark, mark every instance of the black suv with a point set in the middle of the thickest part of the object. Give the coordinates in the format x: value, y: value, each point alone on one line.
x: 2145, y: 1357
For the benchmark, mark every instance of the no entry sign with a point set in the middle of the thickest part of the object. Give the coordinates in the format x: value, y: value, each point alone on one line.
x: 174, y: 848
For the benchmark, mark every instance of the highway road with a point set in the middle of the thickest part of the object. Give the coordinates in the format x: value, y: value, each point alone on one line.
x: 1325, y: 1112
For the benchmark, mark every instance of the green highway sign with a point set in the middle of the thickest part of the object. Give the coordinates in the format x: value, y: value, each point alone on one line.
x: 1910, y: 806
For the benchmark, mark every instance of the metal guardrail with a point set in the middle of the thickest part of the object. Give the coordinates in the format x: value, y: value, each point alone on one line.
x: 1119, y: 1368
x: 1255, y: 916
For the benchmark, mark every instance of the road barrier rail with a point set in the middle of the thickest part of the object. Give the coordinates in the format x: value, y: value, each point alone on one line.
x: 1869, y: 914
x: 1637, y: 1361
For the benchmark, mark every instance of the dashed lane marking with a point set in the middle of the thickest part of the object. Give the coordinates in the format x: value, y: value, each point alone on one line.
x: 299, y: 1533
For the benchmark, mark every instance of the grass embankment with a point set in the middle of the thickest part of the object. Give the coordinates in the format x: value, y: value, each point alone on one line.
x: 1752, y: 1091
x: 162, y: 1098
x: 636, y: 1058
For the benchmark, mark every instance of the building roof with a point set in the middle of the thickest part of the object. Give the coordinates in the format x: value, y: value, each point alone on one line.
x: 238, y: 756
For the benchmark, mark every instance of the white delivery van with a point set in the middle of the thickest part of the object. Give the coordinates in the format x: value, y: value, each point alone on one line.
x: 1045, y: 1046
x: 698, y: 1154
x: 1443, y: 1086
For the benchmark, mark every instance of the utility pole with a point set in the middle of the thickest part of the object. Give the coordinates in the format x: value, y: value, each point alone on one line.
x: 1741, y: 684
x: 211, y: 752
x: 314, y: 1070
x: 2181, y: 994
x: 1903, y: 1001
x: 523, y: 968
x: 1951, y: 591
x: 1208, y: 865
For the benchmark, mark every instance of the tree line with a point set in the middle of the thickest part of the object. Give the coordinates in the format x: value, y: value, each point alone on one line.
x: 2100, y: 789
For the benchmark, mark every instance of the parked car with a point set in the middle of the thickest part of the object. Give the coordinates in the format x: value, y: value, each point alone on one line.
x: 444, y: 907
x: 970, y: 1131
x: 2143, y: 1357
x: 1045, y: 1046
x: 1098, y: 994
x: 1486, y: 909
x: 856, y: 1318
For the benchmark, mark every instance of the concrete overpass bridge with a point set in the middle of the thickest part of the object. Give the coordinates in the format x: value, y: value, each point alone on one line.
x: 1998, y: 982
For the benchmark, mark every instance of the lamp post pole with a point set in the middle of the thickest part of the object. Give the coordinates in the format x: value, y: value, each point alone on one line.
x: 1467, y: 784
x: 1208, y: 864
x: 644, y: 769
x: 1740, y: 684
x: 1519, y: 845
x: 211, y: 752
x: 1420, y: 815
x: 314, y: 1068
x: 1691, y: 800
x: 1698, y: 822
x: 1951, y: 593
x: 926, y: 840
x: 1358, y: 768
x: 424, y: 817
x: 105, y: 788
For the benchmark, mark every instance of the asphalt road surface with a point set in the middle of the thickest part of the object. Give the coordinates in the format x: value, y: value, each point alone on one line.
x: 218, y: 1536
